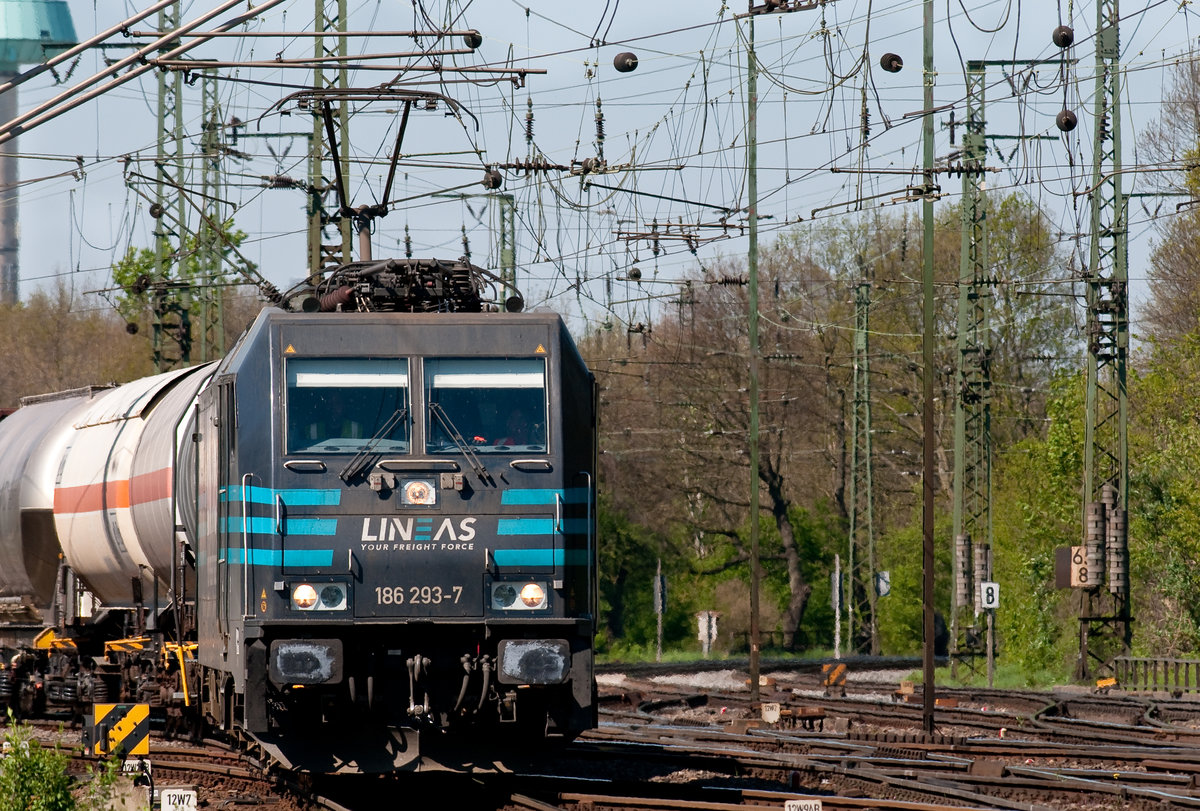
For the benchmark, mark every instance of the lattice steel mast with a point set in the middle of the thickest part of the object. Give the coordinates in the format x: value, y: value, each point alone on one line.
x: 972, y: 403
x: 1104, y: 619
x: 169, y: 184
x: 209, y: 239
x: 864, y: 634
x: 330, y: 16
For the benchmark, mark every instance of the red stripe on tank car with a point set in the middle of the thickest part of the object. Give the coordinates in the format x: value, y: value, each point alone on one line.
x: 150, y: 486
x: 113, y: 495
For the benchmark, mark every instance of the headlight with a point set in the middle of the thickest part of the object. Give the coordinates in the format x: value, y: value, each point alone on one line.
x: 504, y: 595
x: 333, y: 597
x: 533, y: 595
x: 319, y: 597
x: 419, y: 493
x: 304, y: 597
x: 518, y: 596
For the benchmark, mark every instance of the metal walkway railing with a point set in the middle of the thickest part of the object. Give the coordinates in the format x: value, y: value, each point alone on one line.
x: 1138, y: 673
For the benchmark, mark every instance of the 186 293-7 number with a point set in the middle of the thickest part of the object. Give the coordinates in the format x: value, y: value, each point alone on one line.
x: 417, y: 595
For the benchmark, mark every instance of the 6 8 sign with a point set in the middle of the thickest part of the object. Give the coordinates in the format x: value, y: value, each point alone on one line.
x: 1080, y: 576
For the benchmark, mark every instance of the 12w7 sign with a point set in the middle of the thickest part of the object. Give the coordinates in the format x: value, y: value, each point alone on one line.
x: 177, y: 799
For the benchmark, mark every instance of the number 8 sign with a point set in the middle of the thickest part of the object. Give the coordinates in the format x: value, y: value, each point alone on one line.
x: 989, y: 595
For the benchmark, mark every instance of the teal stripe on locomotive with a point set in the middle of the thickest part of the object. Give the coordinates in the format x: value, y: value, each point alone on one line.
x: 276, y: 557
x: 539, y: 557
x: 571, y: 495
x: 266, y: 525
x: 291, y: 498
x: 540, y: 526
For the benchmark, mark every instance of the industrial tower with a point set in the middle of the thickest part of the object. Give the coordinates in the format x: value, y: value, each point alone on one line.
x: 30, y: 31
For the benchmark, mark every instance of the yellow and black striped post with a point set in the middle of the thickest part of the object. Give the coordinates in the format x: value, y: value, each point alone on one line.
x: 118, y: 729
x: 833, y: 677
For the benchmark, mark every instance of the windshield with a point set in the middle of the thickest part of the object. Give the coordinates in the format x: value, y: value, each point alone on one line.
x: 338, y: 405
x: 498, y: 405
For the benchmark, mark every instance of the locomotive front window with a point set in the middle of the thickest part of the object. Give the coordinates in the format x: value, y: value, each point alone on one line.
x: 495, y: 405
x: 344, y: 405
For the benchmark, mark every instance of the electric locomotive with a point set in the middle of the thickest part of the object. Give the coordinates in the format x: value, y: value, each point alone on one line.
x: 375, y: 517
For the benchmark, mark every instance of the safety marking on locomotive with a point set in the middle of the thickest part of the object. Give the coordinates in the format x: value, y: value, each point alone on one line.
x: 532, y: 496
x: 539, y: 557
x: 266, y: 525
x: 291, y: 350
x: 274, y: 557
x: 541, y: 350
x: 540, y: 526
x: 385, y: 529
x: 299, y: 497
x: 116, y: 728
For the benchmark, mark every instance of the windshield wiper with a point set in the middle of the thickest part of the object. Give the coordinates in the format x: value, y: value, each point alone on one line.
x: 482, y: 472
x: 355, y: 466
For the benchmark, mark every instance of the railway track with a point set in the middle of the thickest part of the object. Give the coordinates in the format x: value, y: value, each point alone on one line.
x: 709, y: 748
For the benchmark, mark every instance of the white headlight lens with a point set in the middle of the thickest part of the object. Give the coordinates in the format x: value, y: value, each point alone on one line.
x: 304, y: 596
x: 419, y: 492
x: 532, y: 595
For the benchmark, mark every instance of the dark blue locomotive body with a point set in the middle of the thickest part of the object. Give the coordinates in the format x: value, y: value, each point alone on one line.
x: 395, y: 526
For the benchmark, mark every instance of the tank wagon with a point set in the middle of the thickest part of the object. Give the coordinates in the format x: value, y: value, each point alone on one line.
x: 368, y: 531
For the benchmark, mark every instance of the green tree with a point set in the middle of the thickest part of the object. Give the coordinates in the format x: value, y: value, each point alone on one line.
x: 1165, y: 498
x: 1036, y: 508
x: 199, y: 272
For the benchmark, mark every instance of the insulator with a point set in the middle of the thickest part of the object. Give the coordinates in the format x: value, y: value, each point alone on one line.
x: 625, y: 62
x: 891, y: 62
x: 1066, y: 120
x: 473, y: 39
x: 529, y: 121
x: 962, y: 568
x: 466, y: 243
x: 983, y: 573
x: 1063, y: 36
x: 1094, y: 532
x: 1118, y: 551
x: 599, y: 128
x: 635, y: 274
x: 329, y: 302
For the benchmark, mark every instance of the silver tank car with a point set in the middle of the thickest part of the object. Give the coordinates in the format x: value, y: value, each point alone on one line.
x: 89, y: 473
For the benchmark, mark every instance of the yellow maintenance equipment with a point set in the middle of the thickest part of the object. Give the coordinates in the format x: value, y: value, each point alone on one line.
x: 183, y: 654
x: 48, y: 640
